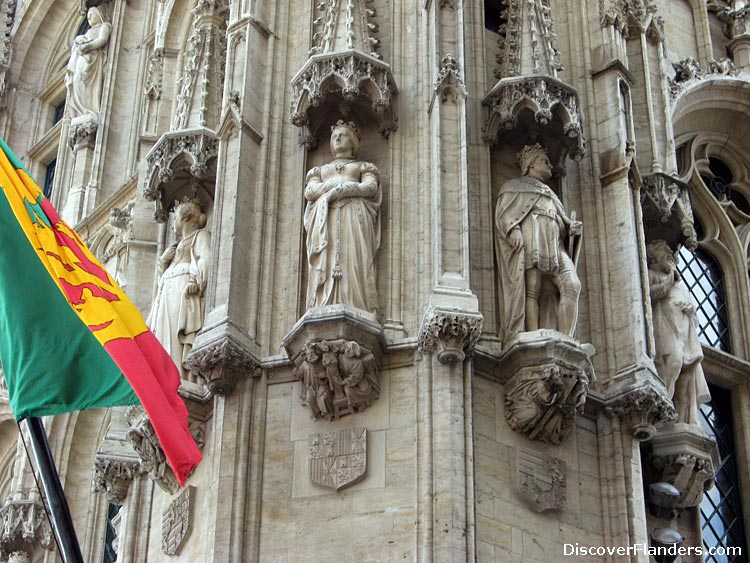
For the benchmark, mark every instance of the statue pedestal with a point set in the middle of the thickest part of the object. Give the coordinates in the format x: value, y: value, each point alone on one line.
x: 546, y: 376
x: 337, y: 352
x: 686, y: 457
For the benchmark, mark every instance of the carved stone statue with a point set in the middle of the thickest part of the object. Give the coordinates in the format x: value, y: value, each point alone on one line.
x: 537, y: 248
x: 177, y: 313
x: 338, y: 377
x: 678, y: 350
x: 85, y: 73
x: 343, y: 226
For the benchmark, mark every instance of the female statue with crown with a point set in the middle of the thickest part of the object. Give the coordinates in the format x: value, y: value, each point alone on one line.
x: 343, y: 226
x: 177, y: 313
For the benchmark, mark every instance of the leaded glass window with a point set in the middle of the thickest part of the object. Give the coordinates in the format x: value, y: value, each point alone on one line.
x: 110, y: 553
x: 705, y: 280
x: 721, y: 515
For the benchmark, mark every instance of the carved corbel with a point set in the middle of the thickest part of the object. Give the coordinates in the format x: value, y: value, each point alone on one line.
x: 667, y: 211
x: 222, y: 364
x: 546, y: 377
x: 451, y: 335
x: 24, y: 527
x: 82, y: 132
x: 685, y: 457
x: 113, y: 475
x: 142, y: 437
x: 643, y: 410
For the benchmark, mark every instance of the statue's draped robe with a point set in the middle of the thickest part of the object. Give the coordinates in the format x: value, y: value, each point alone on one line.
x: 348, y: 228
x: 176, y: 317
x: 678, y: 349
x: 536, y: 210
x: 85, y: 74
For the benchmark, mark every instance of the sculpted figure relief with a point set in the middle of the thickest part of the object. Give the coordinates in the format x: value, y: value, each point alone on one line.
x: 537, y: 248
x: 343, y: 226
x: 177, y: 313
x: 85, y: 73
x: 678, y: 350
x: 338, y: 378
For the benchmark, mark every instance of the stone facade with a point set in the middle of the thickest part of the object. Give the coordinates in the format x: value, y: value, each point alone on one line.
x: 394, y: 418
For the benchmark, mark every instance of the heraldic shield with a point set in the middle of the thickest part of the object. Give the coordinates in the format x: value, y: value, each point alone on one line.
x: 339, y: 458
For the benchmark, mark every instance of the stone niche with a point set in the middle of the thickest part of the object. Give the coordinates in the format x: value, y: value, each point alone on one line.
x: 546, y: 377
x: 684, y: 456
x: 337, y: 352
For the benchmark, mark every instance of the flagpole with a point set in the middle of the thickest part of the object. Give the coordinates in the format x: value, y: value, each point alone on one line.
x: 62, y: 523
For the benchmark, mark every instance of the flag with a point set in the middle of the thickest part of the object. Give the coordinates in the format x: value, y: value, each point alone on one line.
x: 70, y: 339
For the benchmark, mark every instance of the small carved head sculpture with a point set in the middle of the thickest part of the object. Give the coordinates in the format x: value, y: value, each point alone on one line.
x: 345, y: 139
x: 660, y: 256
x: 189, y: 211
x: 311, y: 355
x: 533, y: 159
x: 352, y: 350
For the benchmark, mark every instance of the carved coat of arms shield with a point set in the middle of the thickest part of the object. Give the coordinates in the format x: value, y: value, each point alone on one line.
x: 540, y: 480
x: 339, y: 458
x: 176, y: 522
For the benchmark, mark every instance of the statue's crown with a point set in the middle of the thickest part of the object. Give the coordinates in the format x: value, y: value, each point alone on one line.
x: 528, y: 152
x: 349, y: 125
x: 188, y: 200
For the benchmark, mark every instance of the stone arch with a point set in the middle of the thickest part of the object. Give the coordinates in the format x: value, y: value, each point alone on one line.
x: 711, y: 119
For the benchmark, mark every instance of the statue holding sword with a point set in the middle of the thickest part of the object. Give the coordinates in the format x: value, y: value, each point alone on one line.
x: 538, y: 246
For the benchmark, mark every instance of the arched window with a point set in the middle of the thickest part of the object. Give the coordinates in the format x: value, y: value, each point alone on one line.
x: 721, y: 508
x: 705, y: 280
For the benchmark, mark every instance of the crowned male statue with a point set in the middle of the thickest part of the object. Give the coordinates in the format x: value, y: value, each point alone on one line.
x: 343, y: 225
x: 177, y: 313
x: 678, y: 350
x: 537, y: 247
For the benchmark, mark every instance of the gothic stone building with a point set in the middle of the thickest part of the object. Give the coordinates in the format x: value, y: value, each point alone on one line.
x: 366, y: 375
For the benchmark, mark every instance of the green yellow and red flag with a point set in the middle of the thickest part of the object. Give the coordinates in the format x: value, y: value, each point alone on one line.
x: 70, y: 339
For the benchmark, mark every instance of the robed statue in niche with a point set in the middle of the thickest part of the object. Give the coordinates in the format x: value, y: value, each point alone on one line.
x: 177, y: 313
x: 342, y: 225
x: 84, y: 77
x: 537, y: 249
x: 678, y: 350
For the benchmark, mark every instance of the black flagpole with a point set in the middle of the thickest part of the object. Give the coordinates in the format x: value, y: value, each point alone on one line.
x: 62, y: 523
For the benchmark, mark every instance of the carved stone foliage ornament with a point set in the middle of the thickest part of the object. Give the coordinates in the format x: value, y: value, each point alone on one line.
x: 667, y: 211
x: 222, y: 364
x: 623, y: 14
x: 24, y: 527
x: 685, y: 457
x: 642, y: 410
x: 547, y: 378
x: 142, y: 437
x: 541, y: 480
x: 113, y: 475
x: 338, y: 459
x: 338, y: 377
x: 344, y: 64
x: 177, y: 521
x: 449, y: 81
x: 449, y: 334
